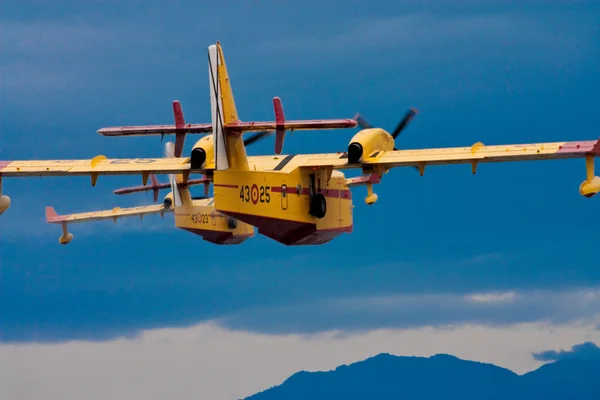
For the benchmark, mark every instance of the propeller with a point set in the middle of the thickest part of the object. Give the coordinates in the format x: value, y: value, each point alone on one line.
x: 257, y: 136
x: 169, y: 153
x: 279, y: 131
x: 169, y: 150
x: 410, y: 114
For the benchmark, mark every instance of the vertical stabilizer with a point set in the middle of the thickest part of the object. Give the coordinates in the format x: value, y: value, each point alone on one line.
x: 229, y: 147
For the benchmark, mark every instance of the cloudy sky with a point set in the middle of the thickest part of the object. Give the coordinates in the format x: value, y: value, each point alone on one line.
x: 500, y: 267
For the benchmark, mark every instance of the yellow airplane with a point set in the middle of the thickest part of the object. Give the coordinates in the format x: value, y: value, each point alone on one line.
x: 293, y: 199
x: 193, y: 214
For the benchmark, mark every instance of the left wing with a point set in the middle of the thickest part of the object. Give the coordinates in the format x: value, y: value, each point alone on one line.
x: 477, y: 153
x: 95, y: 167
x: 381, y: 161
x: 53, y: 218
x: 99, y: 165
x: 481, y: 153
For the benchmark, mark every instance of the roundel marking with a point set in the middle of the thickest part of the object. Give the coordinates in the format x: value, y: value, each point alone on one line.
x: 254, y: 194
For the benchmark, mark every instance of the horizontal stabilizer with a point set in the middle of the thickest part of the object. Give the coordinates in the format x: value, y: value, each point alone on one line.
x: 148, y: 130
x: 167, y: 185
x: 315, y: 124
x: 141, y: 188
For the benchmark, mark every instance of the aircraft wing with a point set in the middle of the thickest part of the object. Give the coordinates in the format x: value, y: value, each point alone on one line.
x: 481, y: 153
x: 477, y: 153
x: 99, y: 165
x: 53, y: 218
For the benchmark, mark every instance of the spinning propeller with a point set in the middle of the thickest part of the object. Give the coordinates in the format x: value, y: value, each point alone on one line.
x: 279, y: 128
x: 410, y: 114
x: 257, y: 136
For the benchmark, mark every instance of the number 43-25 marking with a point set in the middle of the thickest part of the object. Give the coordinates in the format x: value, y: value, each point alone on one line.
x: 255, y: 194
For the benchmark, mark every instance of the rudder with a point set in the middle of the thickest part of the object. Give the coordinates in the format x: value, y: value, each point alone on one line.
x: 229, y: 147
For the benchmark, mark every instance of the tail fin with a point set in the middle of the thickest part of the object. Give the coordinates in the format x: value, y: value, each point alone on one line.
x: 229, y: 146
x: 179, y: 128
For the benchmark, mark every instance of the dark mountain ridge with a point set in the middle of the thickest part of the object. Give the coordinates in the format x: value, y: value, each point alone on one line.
x: 440, y: 377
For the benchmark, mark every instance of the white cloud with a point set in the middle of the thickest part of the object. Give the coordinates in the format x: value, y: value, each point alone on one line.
x: 407, y: 310
x: 207, y: 361
x: 491, y: 297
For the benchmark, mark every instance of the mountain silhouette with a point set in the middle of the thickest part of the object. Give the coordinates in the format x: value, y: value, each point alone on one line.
x: 440, y: 377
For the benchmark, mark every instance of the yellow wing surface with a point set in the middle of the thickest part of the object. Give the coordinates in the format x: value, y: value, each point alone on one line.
x: 98, y: 165
x: 477, y: 153
x: 53, y: 218
x: 396, y: 158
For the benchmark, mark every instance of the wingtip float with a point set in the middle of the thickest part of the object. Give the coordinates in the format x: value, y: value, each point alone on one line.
x: 294, y: 199
x: 4, y: 199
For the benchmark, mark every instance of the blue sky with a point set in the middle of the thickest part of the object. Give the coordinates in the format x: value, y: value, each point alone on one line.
x: 499, y: 72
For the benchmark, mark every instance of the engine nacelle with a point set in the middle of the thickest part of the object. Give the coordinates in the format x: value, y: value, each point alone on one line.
x: 4, y: 204
x: 368, y: 141
x: 590, y: 187
x: 66, y: 238
x: 203, y: 152
x: 168, y: 201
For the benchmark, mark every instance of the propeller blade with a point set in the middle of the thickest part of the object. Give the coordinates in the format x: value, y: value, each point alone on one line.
x: 169, y: 149
x: 257, y: 136
x: 170, y: 152
x: 362, y: 122
x: 404, y: 121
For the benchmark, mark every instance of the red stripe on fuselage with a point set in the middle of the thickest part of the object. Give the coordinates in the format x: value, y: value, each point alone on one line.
x: 344, y: 194
x: 3, y: 164
x: 226, y: 186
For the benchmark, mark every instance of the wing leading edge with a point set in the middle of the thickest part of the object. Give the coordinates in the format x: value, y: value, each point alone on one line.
x: 380, y: 162
x: 52, y: 217
x: 481, y: 153
x: 99, y: 165
x: 476, y: 153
